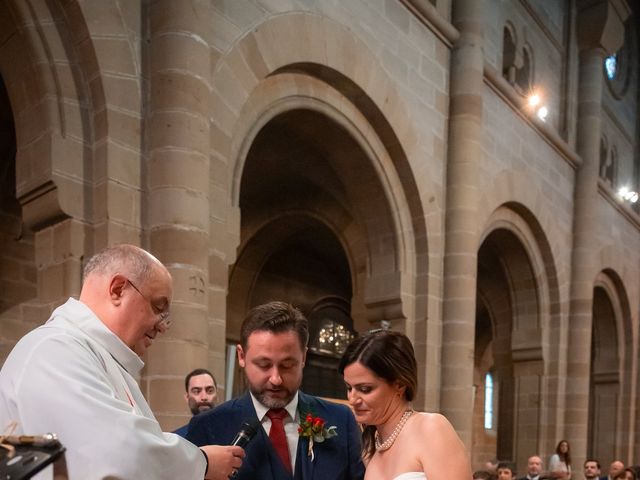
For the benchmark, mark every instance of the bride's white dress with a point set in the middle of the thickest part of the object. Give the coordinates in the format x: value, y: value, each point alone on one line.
x: 411, y: 476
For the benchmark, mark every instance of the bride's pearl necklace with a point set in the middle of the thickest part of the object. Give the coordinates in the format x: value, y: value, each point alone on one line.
x: 381, y: 446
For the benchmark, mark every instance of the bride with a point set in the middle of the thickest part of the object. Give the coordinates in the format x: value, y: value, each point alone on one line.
x: 380, y: 373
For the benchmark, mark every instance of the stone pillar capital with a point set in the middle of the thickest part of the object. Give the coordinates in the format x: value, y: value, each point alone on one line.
x: 601, y: 24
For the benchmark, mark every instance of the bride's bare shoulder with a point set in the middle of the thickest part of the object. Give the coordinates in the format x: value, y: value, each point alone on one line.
x: 438, y: 440
x: 433, y: 423
x: 433, y: 420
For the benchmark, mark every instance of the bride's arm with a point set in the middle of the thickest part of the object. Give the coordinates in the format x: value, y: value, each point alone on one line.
x: 444, y: 456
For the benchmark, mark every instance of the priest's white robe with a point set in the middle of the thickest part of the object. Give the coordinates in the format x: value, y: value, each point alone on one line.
x: 74, y: 377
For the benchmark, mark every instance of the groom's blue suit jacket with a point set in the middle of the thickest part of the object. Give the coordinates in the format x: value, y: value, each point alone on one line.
x: 337, y: 458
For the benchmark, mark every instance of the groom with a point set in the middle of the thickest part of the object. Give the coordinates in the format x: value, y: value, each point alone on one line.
x: 272, y: 352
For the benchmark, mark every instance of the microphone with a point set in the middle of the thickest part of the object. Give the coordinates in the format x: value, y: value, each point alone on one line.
x: 246, y: 433
x: 243, y: 437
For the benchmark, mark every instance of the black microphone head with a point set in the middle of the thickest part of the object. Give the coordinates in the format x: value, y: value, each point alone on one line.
x: 246, y: 433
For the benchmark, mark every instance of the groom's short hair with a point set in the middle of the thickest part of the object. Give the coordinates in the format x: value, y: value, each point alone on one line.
x: 275, y: 317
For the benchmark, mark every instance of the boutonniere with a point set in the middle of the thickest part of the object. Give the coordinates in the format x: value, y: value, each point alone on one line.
x: 314, y: 428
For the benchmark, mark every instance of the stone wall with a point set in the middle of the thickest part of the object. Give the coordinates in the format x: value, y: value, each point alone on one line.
x: 377, y: 138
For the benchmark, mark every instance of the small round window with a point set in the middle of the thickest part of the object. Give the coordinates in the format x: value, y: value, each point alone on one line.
x: 611, y: 66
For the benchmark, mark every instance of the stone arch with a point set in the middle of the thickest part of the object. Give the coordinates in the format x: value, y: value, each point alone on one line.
x: 65, y: 113
x: 614, y: 274
x: 366, y: 227
x: 517, y: 300
x: 17, y: 266
x: 53, y: 140
x: 303, y: 67
x: 33, y: 87
x: 33, y: 91
x: 269, y: 232
x: 49, y: 62
x: 388, y: 263
x: 511, y: 188
x: 610, y: 419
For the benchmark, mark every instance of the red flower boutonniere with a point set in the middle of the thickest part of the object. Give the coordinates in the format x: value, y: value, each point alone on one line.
x: 314, y: 428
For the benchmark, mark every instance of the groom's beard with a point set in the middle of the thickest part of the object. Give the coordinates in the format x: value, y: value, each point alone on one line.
x: 273, y: 397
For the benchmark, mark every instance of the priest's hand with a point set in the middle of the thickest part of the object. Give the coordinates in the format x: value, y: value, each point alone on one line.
x: 223, y: 461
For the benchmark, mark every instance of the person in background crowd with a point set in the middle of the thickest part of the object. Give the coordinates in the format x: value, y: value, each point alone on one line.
x: 534, y: 468
x: 201, y: 394
x: 626, y: 474
x: 615, y: 469
x: 560, y: 462
x: 591, y: 469
x: 506, y: 471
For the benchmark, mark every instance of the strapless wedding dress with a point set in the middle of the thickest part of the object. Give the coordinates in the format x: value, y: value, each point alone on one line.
x: 411, y: 476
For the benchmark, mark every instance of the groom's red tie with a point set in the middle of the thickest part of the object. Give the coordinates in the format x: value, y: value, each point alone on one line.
x: 278, y: 437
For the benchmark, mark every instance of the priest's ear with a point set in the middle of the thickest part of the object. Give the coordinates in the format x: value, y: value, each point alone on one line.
x: 117, y: 285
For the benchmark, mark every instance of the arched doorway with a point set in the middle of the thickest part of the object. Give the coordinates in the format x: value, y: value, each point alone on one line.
x: 611, y: 347
x: 375, y: 209
x: 512, y: 315
x: 316, y: 224
x: 605, y: 380
x: 494, y: 325
x: 18, y: 281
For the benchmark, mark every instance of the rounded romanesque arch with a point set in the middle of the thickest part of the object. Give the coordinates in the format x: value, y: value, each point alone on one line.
x: 59, y: 99
x: 77, y: 114
x: 307, y: 156
x: 47, y: 102
x: 306, y: 95
x: 550, y: 234
x: 613, y: 352
x: 517, y: 295
x: 36, y: 108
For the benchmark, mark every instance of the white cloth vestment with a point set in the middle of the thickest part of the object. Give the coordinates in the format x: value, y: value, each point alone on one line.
x: 72, y: 376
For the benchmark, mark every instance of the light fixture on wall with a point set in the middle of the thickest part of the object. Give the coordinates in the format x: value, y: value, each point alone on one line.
x: 542, y: 113
x: 627, y: 194
x: 534, y: 101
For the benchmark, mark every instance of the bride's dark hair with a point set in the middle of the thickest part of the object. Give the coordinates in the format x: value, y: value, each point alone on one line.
x: 390, y: 356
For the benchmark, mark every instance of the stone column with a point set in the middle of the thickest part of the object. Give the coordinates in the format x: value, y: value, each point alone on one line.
x: 600, y: 30
x: 177, y: 149
x: 461, y: 233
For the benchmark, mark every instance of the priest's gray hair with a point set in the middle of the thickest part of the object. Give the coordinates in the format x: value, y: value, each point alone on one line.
x: 125, y: 259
